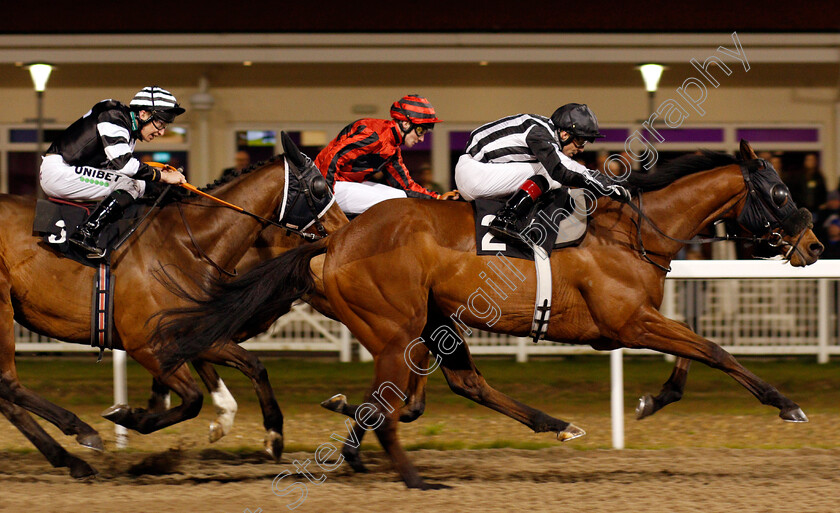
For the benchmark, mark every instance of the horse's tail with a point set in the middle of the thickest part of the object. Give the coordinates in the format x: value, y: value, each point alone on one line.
x: 221, y: 308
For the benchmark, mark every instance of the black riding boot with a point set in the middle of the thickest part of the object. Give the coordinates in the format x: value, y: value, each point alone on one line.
x: 504, y: 225
x: 109, y: 210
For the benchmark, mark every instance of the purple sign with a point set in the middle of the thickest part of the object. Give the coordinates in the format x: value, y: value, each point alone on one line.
x: 778, y: 134
x: 458, y: 140
x: 687, y: 135
x: 614, y: 135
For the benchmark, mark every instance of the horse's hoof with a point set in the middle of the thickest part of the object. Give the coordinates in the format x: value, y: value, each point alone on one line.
x: 352, y: 458
x: 91, y: 441
x: 117, y: 413
x: 335, y: 403
x: 216, y: 432
x: 274, y: 444
x: 570, y: 433
x: 79, y: 469
x: 646, y: 407
x: 794, y: 415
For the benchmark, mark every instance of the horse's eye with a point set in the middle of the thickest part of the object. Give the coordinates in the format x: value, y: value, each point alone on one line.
x: 779, y: 194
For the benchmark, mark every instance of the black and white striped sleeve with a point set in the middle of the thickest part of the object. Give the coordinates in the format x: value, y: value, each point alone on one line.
x: 113, y: 129
x: 544, y: 146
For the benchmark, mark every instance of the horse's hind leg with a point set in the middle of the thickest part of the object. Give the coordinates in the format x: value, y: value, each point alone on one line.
x: 232, y: 355
x: 465, y: 379
x: 654, y: 331
x: 13, y: 391
x: 671, y: 392
x: 51, y: 450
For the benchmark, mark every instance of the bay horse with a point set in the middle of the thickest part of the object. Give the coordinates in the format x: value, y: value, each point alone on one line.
x: 40, y: 290
x: 400, y: 274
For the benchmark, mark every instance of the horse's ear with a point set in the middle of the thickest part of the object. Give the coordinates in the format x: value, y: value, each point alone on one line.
x: 292, y: 151
x: 747, y: 152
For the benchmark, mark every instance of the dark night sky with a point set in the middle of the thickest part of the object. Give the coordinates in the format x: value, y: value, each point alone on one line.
x: 191, y: 16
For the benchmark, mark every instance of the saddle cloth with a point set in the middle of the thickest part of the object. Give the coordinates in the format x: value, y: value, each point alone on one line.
x: 557, y: 221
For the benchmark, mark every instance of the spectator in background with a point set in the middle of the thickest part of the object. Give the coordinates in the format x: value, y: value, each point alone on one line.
x: 425, y: 178
x: 832, y: 239
x: 241, y: 160
x: 807, y: 186
x: 827, y: 212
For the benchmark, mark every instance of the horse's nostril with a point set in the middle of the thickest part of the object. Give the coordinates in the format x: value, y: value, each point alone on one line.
x: 816, y: 248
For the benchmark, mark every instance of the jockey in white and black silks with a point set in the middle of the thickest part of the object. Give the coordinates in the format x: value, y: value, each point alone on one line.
x: 522, y: 156
x: 92, y: 159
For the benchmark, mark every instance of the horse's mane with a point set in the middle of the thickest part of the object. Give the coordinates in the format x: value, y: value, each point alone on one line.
x: 685, y: 165
x: 181, y: 194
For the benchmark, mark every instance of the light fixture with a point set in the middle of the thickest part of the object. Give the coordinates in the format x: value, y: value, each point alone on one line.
x: 650, y: 74
x: 40, y: 73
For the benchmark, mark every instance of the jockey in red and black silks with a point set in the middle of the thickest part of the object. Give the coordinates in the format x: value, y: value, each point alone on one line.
x: 368, y: 146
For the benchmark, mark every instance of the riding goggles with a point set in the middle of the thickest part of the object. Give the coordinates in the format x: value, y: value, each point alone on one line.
x: 421, y: 130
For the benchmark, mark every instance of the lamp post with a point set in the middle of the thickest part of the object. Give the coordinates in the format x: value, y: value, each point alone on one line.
x: 651, y: 74
x: 40, y: 73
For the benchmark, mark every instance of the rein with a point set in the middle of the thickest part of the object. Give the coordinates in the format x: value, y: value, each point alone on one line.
x: 306, y: 236
x: 201, y: 252
x: 700, y: 240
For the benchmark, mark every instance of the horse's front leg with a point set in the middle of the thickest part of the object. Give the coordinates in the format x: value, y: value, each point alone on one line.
x: 179, y: 381
x: 672, y: 391
x: 651, y: 330
x: 223, y: 400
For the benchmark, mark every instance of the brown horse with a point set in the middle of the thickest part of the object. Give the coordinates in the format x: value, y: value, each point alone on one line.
x: 40, y: 290
x: 403, y: 272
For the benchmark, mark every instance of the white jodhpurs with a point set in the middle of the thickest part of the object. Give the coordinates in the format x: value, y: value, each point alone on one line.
x: 355, y: 197
x: 61, y: 180
x: 475, y: 179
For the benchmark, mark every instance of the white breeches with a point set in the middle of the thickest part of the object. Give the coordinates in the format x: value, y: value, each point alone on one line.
x: 355, y: 197
x: 475, y: 179
x: 61, y: 180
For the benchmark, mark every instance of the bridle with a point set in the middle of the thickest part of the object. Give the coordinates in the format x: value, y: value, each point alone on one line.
x: 772, y: 229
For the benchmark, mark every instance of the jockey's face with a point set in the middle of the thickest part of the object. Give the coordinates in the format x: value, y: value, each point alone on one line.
x: 150, y: 130
x: 411, y: 138
x: 571, y: 149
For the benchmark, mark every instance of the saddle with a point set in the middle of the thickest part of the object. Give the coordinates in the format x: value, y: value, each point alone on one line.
x: 56, y: 220
x: 558, y: 220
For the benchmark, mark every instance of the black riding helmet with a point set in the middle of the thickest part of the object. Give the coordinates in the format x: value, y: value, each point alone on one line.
x: 160, y: 102
x: 578, y: 120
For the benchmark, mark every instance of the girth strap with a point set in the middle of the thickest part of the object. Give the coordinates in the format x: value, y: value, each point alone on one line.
x: 102, y: 311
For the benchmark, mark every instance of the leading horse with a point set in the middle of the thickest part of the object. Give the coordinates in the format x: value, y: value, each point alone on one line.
x: 405, y: 274
x: 40, y: 290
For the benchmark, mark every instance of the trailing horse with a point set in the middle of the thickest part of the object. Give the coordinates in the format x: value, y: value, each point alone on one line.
x: 41, y: 290
x: 404, y: 270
